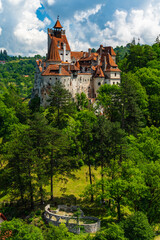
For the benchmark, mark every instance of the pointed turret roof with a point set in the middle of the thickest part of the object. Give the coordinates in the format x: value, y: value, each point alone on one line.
x: 110, y: 61
x: 77, y: 65
x: 58, y: 24
x: 99, y: 72
x: 53, y: 54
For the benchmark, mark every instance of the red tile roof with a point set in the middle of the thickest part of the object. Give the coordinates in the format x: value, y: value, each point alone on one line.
x: 106, y: 50
x: 84, y: 74
x: 113, y: 70
x: 53, y: 54
x: 3, y: 217
x: 38, y: 61
x: 110, y: 50
x: 53, y: 70
x: 60, y: 41
x: 93, y: 56
x: 110, y: 61
x: 40, y: 69
x: 70, y: 68
x: 57, y: 24
x: 77, y: 65
x: 99, y: 72
x: 77, y: 55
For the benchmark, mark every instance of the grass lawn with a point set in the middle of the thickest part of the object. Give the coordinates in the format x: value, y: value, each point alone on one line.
x: 73, y: 186
x: 69, y: 187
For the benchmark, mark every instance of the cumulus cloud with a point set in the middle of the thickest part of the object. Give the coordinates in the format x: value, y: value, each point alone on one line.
x: 79, y: 33
x: 51, y: 2
x: 80, y: 16
x: 23, y: 33
x: 1, y: 8
x: 138, y: 23
x: 124, y: 26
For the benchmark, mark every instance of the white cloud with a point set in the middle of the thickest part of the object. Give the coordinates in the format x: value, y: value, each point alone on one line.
x: 15, y: 2
x: 23, y: 33
x: 1, y: 7
x: 51, y: 2
x: 80, y: 16
x: 124, y: 26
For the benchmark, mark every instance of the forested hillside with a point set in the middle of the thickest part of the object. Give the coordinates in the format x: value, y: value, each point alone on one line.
x: 119, y: 150
x: 18, y: 72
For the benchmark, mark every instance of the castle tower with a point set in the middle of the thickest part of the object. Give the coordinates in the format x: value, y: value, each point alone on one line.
x: 60, y: 41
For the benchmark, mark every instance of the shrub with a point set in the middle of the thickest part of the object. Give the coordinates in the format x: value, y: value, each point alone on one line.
x: 137, y: 227
x: 113, y: 232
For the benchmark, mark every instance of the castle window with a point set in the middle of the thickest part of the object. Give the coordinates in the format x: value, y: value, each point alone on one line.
x: 115, y: 74
x: 99, y: 84
x: 113, y: 82
x: 50, y: 78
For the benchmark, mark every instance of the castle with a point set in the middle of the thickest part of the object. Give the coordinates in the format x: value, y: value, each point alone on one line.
x: 78, y: 71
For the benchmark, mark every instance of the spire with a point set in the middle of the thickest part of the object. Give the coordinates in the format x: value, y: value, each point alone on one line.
x: 53, y: 54
x: 57, y: 24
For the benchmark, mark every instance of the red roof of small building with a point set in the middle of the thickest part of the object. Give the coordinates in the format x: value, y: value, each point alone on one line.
x: 3, y: 217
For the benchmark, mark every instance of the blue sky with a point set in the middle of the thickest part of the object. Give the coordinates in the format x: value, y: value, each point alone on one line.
x: 88, y: 23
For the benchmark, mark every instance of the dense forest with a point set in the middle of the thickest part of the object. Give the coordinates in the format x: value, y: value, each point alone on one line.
x: 120, y: 146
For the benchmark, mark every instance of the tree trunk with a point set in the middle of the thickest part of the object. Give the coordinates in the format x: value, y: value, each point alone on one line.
x: 102, y: 179
x: 41, y: 190
x: 21, y: 187
x: 90, y: 178
x: 30, y: 186
x: 118, y: 209
x: 51, y: 176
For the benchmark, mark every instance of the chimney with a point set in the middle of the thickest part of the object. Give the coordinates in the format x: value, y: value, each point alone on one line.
x: 60, y: 69
x: 84, y: 54
x: 105, y: 63
x: 89, y: 51
x: 101, y: 46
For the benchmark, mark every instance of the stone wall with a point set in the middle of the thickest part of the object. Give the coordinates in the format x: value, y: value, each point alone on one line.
x: 54, y: 218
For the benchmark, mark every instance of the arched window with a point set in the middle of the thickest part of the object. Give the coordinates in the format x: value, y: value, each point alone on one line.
x: 99, y: 84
